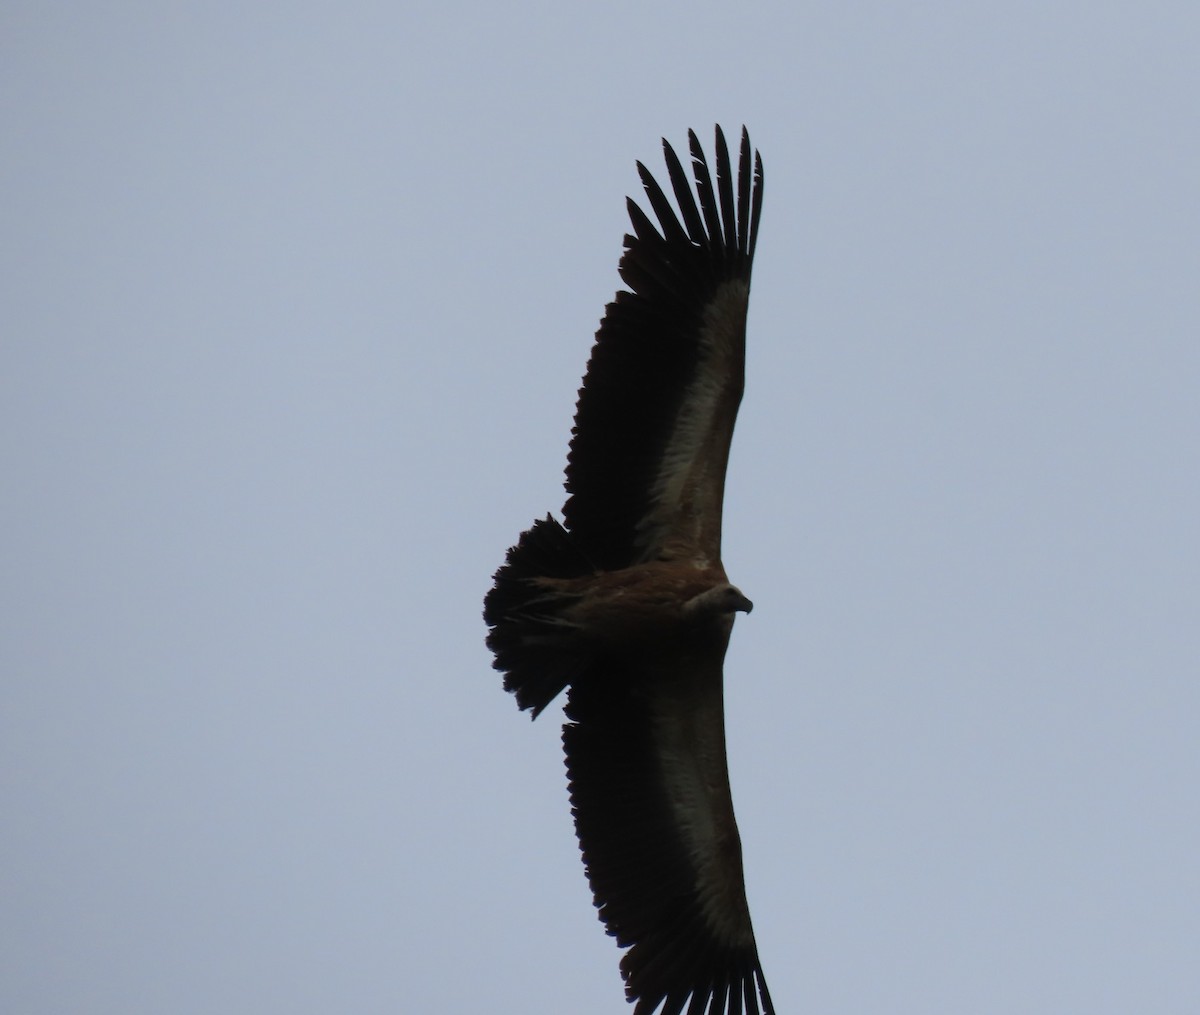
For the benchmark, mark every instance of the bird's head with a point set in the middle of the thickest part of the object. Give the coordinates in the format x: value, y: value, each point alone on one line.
x: 720, y: 599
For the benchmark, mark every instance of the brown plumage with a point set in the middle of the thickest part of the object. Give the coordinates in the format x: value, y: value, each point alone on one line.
x: 627, y: 602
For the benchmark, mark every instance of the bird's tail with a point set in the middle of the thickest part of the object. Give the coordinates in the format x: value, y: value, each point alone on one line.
x: 529, y: 633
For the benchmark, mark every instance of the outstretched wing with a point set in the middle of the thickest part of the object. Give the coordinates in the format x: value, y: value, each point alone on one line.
x: 646, y: 472
x: 650, y: 794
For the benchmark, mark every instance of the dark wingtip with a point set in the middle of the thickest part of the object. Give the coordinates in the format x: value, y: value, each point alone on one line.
x: 722, y: 213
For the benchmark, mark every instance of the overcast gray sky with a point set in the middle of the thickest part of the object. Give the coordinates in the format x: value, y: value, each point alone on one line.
x: 294, y: 302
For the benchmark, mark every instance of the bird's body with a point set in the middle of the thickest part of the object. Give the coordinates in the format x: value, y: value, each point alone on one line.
x: 628, y: 605
x: 634, y: 609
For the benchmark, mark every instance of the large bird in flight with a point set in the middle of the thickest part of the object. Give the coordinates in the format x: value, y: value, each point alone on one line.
x: 627, y: 604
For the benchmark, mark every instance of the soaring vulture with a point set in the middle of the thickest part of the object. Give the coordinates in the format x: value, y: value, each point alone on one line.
x: 627, y: 604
